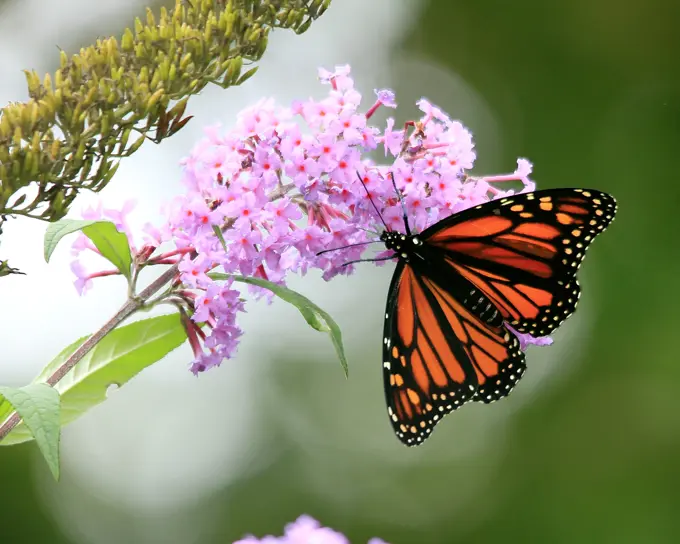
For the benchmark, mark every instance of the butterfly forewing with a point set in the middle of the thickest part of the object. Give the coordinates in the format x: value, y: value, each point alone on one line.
x: 425, y: 369
x: 523, y: 252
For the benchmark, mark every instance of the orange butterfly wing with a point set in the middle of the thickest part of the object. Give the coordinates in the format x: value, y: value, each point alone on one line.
x: 437, y: 355
x: 523, y: 252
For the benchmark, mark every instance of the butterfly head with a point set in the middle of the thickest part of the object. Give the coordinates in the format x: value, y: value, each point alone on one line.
x: 402, y: 244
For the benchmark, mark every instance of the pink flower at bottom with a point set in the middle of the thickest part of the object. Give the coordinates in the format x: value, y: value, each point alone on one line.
x: 305, y: 530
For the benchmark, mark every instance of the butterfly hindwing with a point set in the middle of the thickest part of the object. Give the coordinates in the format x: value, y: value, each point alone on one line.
x: 523, y: 252
x: 493, y: 350
x: 438, y: 355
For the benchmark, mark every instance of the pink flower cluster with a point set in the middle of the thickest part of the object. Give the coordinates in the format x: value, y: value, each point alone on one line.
x: 285, y: 184
x: 288, y: 182
x: 305, y: 530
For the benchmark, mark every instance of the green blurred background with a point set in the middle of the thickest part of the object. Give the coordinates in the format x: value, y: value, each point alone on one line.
x: 588, y: 450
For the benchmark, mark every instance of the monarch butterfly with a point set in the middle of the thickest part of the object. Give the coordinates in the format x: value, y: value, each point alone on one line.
x: 460, y: 282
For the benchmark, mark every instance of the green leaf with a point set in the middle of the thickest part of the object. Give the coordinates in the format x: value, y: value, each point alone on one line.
x: 220, y: 236
x: 111, y: 243
x: 315, y: 316
x: 38, y: 406
x: 56, y: 231
x: 6, y: 408
x: 121, y: 355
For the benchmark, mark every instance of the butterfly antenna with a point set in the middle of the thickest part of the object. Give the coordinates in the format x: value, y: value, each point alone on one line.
x: 369, y: 198
x: 403, y: 207
x: 346, y: 247
x: 369, y: 260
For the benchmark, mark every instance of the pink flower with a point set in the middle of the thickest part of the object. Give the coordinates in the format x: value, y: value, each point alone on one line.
x: 392, y: 140
x: 339, y: 79
x: 301, y: 168
x: 349, y: 126
x: 243, y: 241
x: 305, y: 530
x: 83, y: 281
x: 526, y: 340
x: 386, y: 97
x: 280, y: 213
x: 194, y: 271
